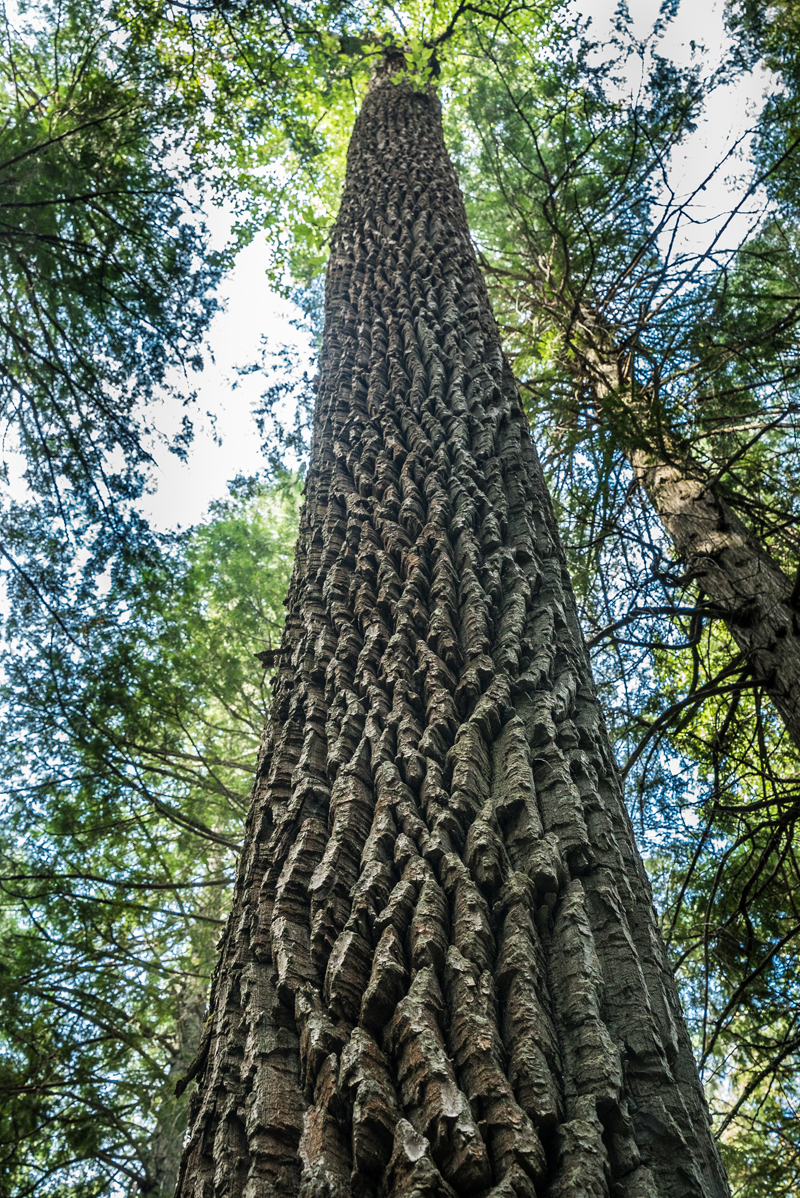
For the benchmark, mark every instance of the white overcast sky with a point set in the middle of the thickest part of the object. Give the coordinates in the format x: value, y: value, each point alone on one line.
x: 252, y: 311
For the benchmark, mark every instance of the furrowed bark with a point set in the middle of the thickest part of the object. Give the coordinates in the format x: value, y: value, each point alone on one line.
x: 442, y: 975
x: 729, y: 564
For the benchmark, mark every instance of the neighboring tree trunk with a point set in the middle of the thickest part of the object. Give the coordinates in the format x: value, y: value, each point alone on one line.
x: 162, y: 1152
x: 442, y: 975
x: 728, y: 563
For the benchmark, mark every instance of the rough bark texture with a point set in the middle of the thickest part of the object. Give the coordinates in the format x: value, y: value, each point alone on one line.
x: 442, y: 976
x: 729, y: 564
x: 733, y: 570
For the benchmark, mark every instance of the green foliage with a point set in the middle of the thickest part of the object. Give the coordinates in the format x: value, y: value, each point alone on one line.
x: 131, y: 735
x: 769, y: 34
x: 105, y: 281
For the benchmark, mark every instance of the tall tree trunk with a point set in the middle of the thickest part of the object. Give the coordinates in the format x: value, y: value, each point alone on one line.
x: 729, y: 564
x: 442, y: 974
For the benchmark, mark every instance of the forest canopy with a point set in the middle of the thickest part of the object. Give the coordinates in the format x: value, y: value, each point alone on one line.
x: 655, y: 338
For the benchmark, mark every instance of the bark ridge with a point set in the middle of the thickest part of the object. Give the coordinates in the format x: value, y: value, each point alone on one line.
x: 442, y: 975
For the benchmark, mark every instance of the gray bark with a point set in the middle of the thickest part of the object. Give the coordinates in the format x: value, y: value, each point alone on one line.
x: 442, y: 974
x: 733, y: 570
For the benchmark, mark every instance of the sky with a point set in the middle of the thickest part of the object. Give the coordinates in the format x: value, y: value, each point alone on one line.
x: 229, y: 443
x: 252, y: 311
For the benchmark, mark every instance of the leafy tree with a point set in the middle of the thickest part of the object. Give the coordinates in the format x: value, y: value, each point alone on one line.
x: 105, y: 279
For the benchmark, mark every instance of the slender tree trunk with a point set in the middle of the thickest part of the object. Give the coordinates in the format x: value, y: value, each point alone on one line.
x: 729, y: 564
x: 161, y: 1154
x: 442, y: 975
